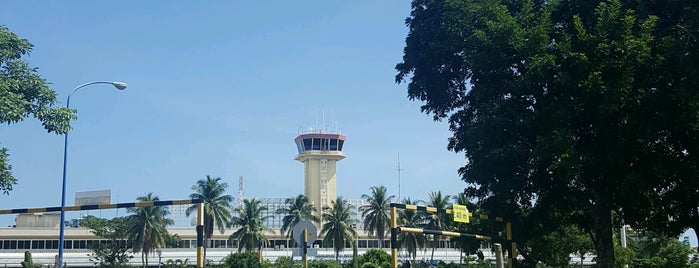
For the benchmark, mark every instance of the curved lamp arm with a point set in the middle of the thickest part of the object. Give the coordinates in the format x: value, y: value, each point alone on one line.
x: 117, y: 85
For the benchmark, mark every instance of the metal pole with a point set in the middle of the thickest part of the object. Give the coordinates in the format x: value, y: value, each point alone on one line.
x: 394, y: 239
x: 499, y: 263
x: 305, y: 248
x: 61, y: 235
x: 200, y: 235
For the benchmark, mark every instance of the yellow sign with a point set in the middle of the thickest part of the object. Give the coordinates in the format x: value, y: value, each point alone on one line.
x: 461, y: 213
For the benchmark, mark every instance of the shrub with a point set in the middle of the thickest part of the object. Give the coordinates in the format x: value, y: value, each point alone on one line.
x: 325, y: 264
x: 243, y: 260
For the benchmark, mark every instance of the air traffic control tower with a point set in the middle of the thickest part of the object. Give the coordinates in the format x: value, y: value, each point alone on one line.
x: 319, y: 153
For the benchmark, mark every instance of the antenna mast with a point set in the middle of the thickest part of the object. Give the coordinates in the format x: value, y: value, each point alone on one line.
x: 240, y: 192
x: 399, y: 170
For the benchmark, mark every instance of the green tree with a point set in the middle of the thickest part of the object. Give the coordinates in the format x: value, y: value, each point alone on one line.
x: 115, y: 251
x: 571, y: 107
x: 217, y: 205
x: 23, y: 93
x: 411, y: 242
x: 377, y: 257
x: 297, y: 209
x: 147, y: 227
x: 554, y: 249
x: 337, y: 225
x: 250, y: 222
x: 376, y: 213
x: 436, y: 221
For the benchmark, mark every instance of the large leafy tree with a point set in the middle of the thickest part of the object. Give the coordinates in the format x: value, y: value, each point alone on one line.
x: 566, y: 108
x: 23, y: 94
x: 217, y: 205
x: 410, y: 242
x: 250, y: 219
x: 376, y: 213
x: 147, y: 227
x: 337, y: 225
x: 115, y: 251
x: 295, y: 210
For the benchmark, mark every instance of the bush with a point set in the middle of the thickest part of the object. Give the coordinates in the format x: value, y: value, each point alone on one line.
x: 244, y: 260
x: 372, y: 258
x: 324, y: 264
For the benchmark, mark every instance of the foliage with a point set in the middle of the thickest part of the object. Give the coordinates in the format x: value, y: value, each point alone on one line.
x: 436, y: 221
x: 566, y: 110
x: 324, y: 264
x: 173, y: 241
x: 376, y: 213
x: 554, y: 249
x: 24, y: 93
x: 243, y: 260
x: 658, y: 251
x: 411, y: 242
x: 147, y: 227
x: 623, y: 256
x: 115, y: 250
x: 217, y: 204
x: 283, y: 262
x: 28, y: 261
x: 250, y: 223
x: 337, y: 225
x: 178, y: 263
x: 296, y: 210
x: 378, y: 257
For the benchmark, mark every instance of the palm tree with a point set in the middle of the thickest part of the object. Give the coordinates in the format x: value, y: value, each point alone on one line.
x: 147, y: 227
x: 217, y: 205
x: 410, y: 218
x: 337, y: 225
x: 436, y: 221
x: 297, y: 209
x: 250, y: 221
x: 376, y: 213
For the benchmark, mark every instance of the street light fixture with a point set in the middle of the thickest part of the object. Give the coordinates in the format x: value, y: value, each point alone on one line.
x: 117, y: 85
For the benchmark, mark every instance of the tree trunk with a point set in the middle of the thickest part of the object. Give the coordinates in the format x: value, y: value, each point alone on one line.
x: 355, y: 263
x: 434, y: 245
x: 206, y: 241
x: 602, y: 224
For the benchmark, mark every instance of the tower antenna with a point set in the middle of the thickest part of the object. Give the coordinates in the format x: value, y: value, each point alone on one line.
x: 322, y: 128
x: 399, y: 170
x: 240, y: 192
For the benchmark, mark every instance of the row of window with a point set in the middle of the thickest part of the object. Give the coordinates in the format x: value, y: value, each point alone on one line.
x: 49, y: 244
x: 214, y: 243
x: 319, y: 144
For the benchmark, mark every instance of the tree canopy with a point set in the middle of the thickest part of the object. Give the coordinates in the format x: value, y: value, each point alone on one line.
x: 568, y: 110
x: 24, y: 93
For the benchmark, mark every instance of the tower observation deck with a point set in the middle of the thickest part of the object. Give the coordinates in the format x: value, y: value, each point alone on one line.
x: 319, y: 152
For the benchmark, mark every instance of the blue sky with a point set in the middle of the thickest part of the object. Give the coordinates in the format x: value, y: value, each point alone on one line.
x: 221, y: 88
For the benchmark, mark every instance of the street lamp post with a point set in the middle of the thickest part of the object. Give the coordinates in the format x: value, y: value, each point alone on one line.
x: 117, y: 85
